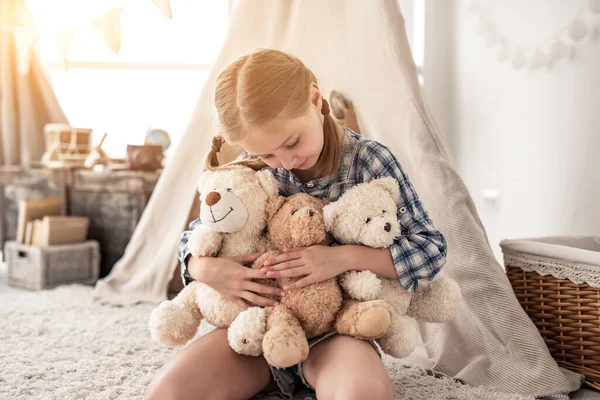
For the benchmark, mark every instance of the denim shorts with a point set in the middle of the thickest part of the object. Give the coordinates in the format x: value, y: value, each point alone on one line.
x: 291, y: 380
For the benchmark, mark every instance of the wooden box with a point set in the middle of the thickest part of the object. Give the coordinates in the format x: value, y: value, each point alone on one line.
x: 21, y: 183
x: 114, y: 202
x: 43, y: 267
x: 54, y: 230
x: 66, y: 146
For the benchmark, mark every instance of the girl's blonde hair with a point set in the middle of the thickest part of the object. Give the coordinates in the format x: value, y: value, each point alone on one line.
x: 256, y: 88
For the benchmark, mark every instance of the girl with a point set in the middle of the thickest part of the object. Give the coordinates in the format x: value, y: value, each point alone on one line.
x: 270, y: 104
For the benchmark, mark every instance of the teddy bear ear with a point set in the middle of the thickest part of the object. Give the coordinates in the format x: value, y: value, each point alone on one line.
x: 391, y: 185
x: 202, y: 179
x: 268, y: 182
x: 274, y: 203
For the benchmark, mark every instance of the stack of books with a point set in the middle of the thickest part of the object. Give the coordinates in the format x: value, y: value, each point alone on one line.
x: 40, y: 224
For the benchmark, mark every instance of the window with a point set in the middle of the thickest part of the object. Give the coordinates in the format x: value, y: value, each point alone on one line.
x: 155, y: 79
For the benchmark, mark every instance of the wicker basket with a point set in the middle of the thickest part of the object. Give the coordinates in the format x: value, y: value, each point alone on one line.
x: 557, y: 282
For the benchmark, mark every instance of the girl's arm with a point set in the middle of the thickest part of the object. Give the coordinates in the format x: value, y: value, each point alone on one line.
x: 226, y: 275
x: 183, y: 251
x: 378, y: 261
x: 419, y: 252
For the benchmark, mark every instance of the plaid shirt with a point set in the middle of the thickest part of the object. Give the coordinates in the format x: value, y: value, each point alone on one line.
x: 418, y: 252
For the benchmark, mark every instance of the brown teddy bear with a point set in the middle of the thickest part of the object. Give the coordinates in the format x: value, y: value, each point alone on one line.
x: 281, y: 332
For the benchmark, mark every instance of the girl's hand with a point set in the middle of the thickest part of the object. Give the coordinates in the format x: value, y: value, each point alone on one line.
x: 316, y: 263
x: 230, y: 277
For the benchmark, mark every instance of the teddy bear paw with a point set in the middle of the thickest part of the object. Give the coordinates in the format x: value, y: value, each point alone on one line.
x: 283, y: 350
x: 365, y: 320
x: 401, y: 340
x: 374, y: 320
x: 246, y: 332
x: 173, y: 324
x: 361, y: 285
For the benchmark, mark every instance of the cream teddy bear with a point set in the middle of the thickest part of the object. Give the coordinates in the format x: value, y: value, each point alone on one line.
x: 233, y: 203
x: 281, y: 332
x: 367, y: 214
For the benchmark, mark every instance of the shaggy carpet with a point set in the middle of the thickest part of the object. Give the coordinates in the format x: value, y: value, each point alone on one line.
x: 58, y: 344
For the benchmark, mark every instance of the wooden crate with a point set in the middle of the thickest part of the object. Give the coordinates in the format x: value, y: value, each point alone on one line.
x: 22, y: 183
x: 66, y: 146
x: 114, y: 202
x: 44, y: 267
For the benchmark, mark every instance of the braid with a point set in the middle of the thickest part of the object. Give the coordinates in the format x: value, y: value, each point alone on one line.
x: 212, y: 161
x: 325, y: 108
x: 332, y: 148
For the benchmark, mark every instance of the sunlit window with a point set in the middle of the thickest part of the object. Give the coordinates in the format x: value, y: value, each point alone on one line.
x: 154, y: 80
x: 157, y: 76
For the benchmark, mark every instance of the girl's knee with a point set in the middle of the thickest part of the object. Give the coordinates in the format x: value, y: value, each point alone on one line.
x: 364, y: 389
x: 165, y: 387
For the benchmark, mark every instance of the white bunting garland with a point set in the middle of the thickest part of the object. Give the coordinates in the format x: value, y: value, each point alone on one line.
x: 582, y: 30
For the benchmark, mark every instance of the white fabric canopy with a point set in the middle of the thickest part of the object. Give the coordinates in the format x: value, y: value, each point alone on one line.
x: 362, y: 51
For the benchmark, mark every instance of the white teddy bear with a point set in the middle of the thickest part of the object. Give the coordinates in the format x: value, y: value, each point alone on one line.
x: 233, y: 203
x: 367, y: 214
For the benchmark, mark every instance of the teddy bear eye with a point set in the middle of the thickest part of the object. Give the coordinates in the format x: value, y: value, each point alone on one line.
x: 383, y: 212
x: 230, y: 190
x: 368, y: 220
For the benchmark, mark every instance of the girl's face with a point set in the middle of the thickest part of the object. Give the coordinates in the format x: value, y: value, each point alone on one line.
x: 290, y: 143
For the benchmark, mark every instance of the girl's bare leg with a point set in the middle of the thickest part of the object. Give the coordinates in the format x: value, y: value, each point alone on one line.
x: 209, y: 369
x: 343, y: 367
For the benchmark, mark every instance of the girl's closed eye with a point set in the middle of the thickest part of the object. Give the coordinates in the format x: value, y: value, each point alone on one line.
x: 291, y: 146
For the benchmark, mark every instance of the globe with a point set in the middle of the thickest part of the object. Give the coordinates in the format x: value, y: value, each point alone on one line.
x: 158, y: 137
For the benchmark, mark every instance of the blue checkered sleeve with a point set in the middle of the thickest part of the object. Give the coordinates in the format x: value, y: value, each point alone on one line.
x: 419, y: 252
x: 183, y: 251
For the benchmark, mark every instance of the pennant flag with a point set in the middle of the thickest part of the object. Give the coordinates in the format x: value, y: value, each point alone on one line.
x: 109, y: 26
x: 63, y: 39
x: 165, y: 7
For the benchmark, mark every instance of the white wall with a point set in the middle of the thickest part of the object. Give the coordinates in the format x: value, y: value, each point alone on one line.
x: 532, y: 135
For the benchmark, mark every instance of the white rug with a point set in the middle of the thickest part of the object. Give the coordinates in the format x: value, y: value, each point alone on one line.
x: 57, y: 344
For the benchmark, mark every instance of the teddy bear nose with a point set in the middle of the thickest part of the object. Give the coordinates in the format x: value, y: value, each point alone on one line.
x: 212, y: 198
x: 311, y: 213
x: 387, y: 227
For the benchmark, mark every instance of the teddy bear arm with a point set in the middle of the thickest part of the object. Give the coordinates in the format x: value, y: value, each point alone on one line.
x: 174, y: 322
x: 204, y: 242
x: 438, y: 301
x: 217, y: 310
x: 360, y: 285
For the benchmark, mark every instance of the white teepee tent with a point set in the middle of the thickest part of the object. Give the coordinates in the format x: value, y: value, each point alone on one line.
x: 361, y: 51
